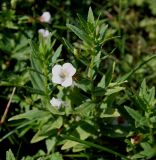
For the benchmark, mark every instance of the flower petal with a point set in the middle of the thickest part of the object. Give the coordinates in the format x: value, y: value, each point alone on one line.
x: 56, y: 102
x: 68, y: 68
x: 56, y: 70
x: 44, y: 32
x: 45, y: 17
x: 67, y: 82
x: 41, y: 31
x: 57, y: 79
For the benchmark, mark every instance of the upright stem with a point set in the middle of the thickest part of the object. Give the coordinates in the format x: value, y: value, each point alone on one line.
x: 91, y: 74
x: 119, y: 17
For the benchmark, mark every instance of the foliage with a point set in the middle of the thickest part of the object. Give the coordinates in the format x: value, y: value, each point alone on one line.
x: 109, y: 101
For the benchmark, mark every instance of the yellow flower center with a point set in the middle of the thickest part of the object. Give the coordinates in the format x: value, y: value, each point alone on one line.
x: 63, y: 74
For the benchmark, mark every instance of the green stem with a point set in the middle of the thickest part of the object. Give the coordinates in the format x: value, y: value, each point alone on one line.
x: 119, y: 17
x: 148, y: 115
x: 90, y: 75
x: 151, y: 135
x: 95, y: 146
x: 46, y: 79
x: 138, y: 66
x: 76, y: 155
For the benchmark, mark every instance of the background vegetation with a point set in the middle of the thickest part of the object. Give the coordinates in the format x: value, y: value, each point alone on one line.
x: 110, y: 113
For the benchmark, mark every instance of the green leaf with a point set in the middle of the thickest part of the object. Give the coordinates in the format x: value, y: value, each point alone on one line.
x: 83, y: 23
x: 143, y: 89
x: 33, y: 90
x: 27, y: 158
x: 109, y: 73
x: 102, y: 82
x: 148, y: 151
x: 56, y: 54
x: 140, y: 102
x: 114, y: 113
x: 103, y: 33
x: 57, y: 123
x: 50, y: 144
x: 137, y: 67
x: 27, y: 123
x: 96, y: 64
x: 114, y: 90
x: 48, y: 129
x: 87, y: 128
x: 69, y: 144
x: 29, y: 89
x: 80, y: 33
x: 153, y: 119
x: 43, y: 133
x: 10, y: 155
x: 68, y: 45
x: 55, y: 111
x: 146, y: 96
x: 86, y: 109
x: 139, y: 119
x: 22, y: 50
x: 32, y: 114
x: 84, y: 84
x: 82, y: 133
x: 98, y: 91
x: 56, y: 156
x: 90, y: 18
x: 151, y: 96
x: 152, y: 6
x: 79, y: 147
x: 36, y: 74
x: 90, y: 144
x: 38, y: 138
x: 37, y: 81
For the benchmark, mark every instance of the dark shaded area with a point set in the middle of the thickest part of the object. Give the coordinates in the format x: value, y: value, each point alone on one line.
x: 128, y: 28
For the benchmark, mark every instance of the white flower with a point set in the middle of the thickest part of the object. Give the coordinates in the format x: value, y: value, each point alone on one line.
x: 56, y: 102
x: 45, y: 17
x: 63, y: 74
x: 44, y: 32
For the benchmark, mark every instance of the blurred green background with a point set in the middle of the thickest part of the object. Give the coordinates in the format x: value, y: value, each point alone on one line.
x: 133, y: 21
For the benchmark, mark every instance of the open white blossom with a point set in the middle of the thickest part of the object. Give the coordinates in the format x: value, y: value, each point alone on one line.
x: 45, y: 17
x: 63, y: 74
x: 44, y: 32
x: 56, y: 102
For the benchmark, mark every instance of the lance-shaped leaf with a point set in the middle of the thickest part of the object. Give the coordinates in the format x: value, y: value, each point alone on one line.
x: 56, y: 54
x: 139, y: 119
x: 48, y: 130
x: 80, y: 33
x: 109, y: 74
x: 90, y: 18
